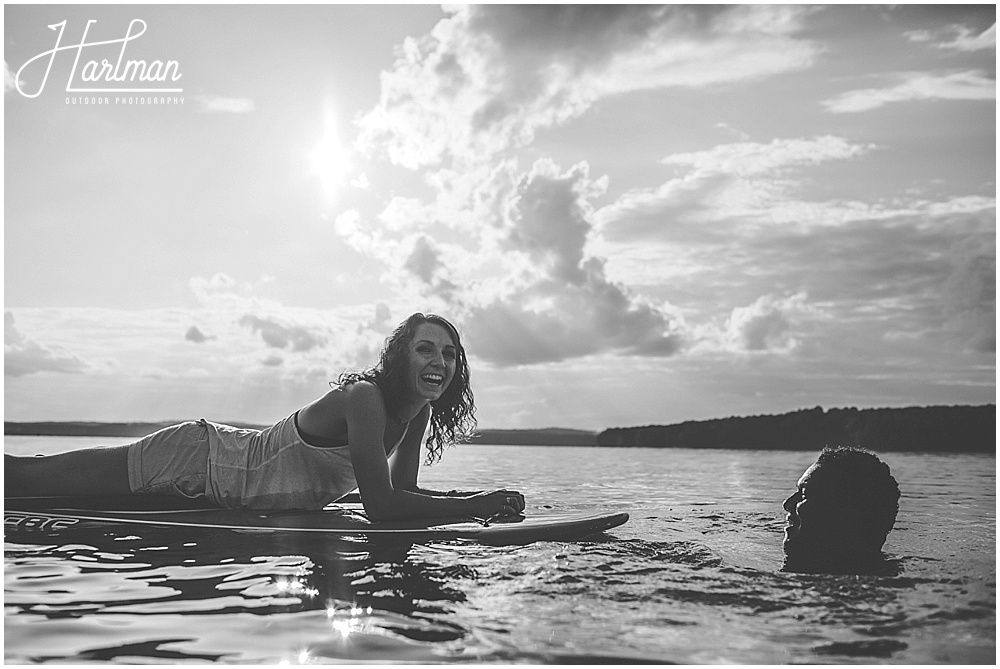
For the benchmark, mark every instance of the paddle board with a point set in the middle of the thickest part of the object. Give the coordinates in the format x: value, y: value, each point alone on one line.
x: 60, y: 514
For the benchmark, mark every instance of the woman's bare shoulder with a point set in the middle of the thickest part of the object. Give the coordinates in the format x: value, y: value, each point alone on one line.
x: 340, y: 397
x: 358, y: 389
x: 328, y: 413
x: 362, y: 395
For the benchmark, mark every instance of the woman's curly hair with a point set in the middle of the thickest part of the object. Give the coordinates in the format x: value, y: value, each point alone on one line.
x: 453, y: 415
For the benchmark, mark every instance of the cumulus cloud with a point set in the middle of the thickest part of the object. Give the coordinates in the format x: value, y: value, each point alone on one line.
x: 489, y: 76
x: 23, y: 356
x: 566, y: 308
x: 419, y: 254
x: 542, y: 282
x: 223, y: 105
x: 767, y: 325
x: 274, y: 334
x: 561, y: 323
x: 485, y: 80
x: 919, y: 86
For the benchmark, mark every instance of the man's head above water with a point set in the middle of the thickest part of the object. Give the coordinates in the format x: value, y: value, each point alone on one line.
x: 841, y: 513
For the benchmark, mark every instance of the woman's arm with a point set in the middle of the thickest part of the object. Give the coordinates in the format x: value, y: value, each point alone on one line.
x: 385, y: 494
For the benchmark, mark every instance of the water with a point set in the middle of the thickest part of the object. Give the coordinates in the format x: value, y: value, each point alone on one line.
x: 692, y: 578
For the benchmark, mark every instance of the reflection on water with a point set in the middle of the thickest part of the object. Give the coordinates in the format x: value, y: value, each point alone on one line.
x: 95, y: 592
x: 693, y: 578
x: 294, y: 598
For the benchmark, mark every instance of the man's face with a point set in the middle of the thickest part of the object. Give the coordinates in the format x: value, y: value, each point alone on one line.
x: 795, y: 505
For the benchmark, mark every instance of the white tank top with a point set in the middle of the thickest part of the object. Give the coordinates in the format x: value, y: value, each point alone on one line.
x: 275, y: 468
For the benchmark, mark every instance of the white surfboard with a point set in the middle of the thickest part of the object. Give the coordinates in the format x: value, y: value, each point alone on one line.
x: 61, y: 514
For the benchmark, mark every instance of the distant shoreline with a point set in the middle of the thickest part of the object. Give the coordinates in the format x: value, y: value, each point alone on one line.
x: 930, y: 429
x: 941, y: 429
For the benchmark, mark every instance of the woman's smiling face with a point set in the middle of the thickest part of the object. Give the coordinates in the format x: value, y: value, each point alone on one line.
x: 433, y: 357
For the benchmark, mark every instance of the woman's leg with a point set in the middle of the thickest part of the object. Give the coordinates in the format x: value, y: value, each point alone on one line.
x: 89, y: 471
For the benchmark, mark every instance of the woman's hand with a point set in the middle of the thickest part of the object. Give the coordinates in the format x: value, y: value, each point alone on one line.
x: 496, y: 503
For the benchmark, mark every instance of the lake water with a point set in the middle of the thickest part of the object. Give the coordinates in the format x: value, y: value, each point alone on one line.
x: 692, y: 578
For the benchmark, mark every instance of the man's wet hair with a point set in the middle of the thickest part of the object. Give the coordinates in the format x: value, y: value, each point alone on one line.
x: 866, y: 480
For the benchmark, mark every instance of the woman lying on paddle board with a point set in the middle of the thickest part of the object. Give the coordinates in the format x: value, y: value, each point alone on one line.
x: 329, y: 447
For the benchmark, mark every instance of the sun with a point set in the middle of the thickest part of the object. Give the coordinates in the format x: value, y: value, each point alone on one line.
x: 330, y: 161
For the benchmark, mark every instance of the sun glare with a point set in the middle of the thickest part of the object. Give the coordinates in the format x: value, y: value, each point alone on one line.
x: 330, y: 160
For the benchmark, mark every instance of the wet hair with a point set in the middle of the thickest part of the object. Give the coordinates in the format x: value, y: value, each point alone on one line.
x: 867, y: 481
x: 453, y: 415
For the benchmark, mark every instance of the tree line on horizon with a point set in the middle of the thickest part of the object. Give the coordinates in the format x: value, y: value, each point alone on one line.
x: 960, y: 429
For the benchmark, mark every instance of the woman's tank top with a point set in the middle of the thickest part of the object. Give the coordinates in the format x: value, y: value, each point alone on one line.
x: 275, y: 468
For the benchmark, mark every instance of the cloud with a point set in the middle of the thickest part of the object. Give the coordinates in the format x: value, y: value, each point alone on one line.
x: 23, y: 356
x: 424, y: 261
x: 196, y: 335
x: 281, y: 336
x: 383, y: 318
x: 273, y: 361
x: 522, y: 265
x: 598, y: 317
x: 766, y: 325
x: 734, y: 131
x: 229, y: 308
x: 219, y: 283
x: 920, y: 86
x: 923, y: 273
x: 534, y: 275
x: 752, y: 159
x: 745, y: 181
x: 238, y: 378
x: 222, y: 293
x: 489, y: 76
x: 515, y: 260
x: 565, y: 307
x: 549, y: 222
x: 969, y: 295
x: 224, y: 105
x: 965, y: 39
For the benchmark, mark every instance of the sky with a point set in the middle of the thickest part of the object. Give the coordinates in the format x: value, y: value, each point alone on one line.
x: 634, y: 214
